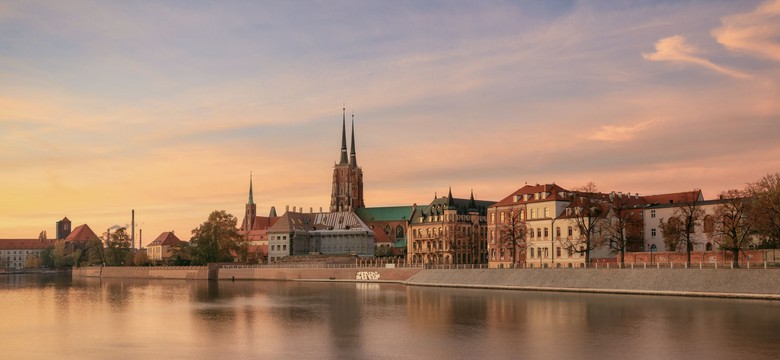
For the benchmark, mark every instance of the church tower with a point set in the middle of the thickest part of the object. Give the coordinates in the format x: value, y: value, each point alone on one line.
x: 347, y: 191
x: 251, y: 209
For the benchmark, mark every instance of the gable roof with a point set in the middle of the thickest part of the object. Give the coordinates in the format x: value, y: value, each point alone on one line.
x: 82, y: 233
x: 167, y: 238
x: 264, y: 222
x: 440, y: 204
x: 25, y: 244
x: 553, y: 192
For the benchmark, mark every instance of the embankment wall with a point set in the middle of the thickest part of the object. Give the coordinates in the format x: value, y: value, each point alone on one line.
x: 145, y: 272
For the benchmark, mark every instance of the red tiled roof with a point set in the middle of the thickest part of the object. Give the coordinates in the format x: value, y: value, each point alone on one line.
x: 679, y: 197
x: 82, y: 233
x: 25, y: 244
x: 264, y: 222
x: 553, y: 189
x: 380, y: 236
x: 166, y: 238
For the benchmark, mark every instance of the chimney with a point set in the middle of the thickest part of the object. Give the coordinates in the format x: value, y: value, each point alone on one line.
x: 320, y: 208
x: 295, y: 208
x: 140, y: 237
x: 132, y: 229
x: 311, y: 210
x: 287, y: 208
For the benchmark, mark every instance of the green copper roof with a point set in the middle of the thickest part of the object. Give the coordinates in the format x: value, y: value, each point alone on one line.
x: 385, y: 213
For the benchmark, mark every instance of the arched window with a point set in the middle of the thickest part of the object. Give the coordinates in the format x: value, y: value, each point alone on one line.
x: 539, y: 232
x: 709, y: 247
x: 531, y: 232
x: 399, y: 232
x: 387, y: 230
x: 653, y: 248
x: 709, y: 225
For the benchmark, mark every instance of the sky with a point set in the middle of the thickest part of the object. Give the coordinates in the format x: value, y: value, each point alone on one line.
x: 166, y: 107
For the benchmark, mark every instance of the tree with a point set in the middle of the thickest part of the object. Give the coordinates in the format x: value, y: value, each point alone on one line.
x: 766, y: 200
x: 622, y: 224
x: 734, y: 222
x: 456, y: 241
x: 215, y: 239
x: 95, y: 255
x: 47, y: 257
x: 140, y: 259
x: 512, y: 235
x: 588, y: 211
x: 180, y: 254
x: 60, y: 256
x: 117, y: 249
x: 687, y: 213
x: 673, y: 233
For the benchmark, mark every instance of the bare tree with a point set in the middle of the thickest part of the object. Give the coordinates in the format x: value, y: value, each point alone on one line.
x: 734, y: 222
x: 673, y: 233
x: 512, y: 235
x: 457, y: 241
x: 688, y: 213
x: 766, y: 197
x: 622, y: 225
x: 588, y: 211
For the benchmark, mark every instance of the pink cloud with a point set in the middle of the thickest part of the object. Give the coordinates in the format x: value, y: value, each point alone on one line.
x: 755, y: 33
x: 676, y: 49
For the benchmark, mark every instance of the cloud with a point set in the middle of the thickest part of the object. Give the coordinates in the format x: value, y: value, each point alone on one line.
x: 755, y: 33
x: 612, y: 133
x: 675, y: 49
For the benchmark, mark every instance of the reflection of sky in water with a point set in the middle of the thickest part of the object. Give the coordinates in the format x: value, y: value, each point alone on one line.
x: 139, y: 319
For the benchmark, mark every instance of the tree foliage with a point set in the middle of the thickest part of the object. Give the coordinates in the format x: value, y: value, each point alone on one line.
x: 180, y: 254
x: 215, y: 239
x: 117, y: 251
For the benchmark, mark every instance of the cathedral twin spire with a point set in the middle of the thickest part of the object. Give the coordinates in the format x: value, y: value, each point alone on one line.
x: 352, y: 160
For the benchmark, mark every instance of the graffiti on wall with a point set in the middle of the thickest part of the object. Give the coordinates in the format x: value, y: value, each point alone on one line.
x: 367, y: 275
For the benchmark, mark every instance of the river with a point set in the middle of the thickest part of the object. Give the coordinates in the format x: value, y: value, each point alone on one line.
x: 56, y: 317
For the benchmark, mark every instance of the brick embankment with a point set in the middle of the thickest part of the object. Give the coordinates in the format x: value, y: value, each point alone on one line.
x: 756, y: 284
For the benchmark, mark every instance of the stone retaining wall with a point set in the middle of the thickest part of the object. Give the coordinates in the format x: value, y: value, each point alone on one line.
x: 381, y: 274
x: 658, y: 281
x: 154, y: 272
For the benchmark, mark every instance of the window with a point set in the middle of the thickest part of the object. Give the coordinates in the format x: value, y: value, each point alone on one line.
x: 709, y: 224
x: 709, y: 247
x: 531, y: 232
x: 493, y: 218
x: 502, y: 217
x: 532, y: 252
x: 545, y: 233
x: 571, y: 231
x: 558, y: 252
x: 539, y: 232
x: 652, y: 232
x: 652, y: 213
x: 546, y: 212
x: 558, y: 231
x: 533, y: 213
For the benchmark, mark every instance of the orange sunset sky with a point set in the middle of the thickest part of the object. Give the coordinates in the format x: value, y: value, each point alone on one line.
x: 166, y: 106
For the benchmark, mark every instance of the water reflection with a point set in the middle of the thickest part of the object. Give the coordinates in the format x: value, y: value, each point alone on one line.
x: 54, y: 316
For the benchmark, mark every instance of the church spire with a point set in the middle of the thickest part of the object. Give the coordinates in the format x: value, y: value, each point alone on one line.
x: 344, y: 159
x: 472, y: 203
x: 352, y: 156
x: 251, y: 198
x: 450, y: 200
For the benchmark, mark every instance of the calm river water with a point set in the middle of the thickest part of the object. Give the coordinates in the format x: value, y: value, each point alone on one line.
x: 54, y: 317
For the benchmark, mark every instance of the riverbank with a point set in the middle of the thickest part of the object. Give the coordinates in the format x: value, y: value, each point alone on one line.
x: 722, y: 283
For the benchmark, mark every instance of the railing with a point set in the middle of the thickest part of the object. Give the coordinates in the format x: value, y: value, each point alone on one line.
x: 318, y: 266
x: 748, y: 265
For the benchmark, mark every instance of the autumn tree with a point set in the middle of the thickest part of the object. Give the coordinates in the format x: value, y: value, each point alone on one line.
x: 766, y: 200
x: 180, y: 254
x: 588, y: 211
x: 512, y: 235
x: 60, y: 255
x: 622, y: 224
x: 117, y: 249
x: 733, y: 224
x: 215, y: 239
x: 95, y: 254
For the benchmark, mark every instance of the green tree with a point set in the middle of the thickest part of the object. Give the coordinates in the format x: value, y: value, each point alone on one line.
x: 95, y: 255
x: 117, y: 248
x: 180, y: 254
x: 215, y: 239
x: 61, y: 257
x: 47, y: 257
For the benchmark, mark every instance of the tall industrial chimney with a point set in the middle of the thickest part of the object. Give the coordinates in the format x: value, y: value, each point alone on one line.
x: 132, y: 229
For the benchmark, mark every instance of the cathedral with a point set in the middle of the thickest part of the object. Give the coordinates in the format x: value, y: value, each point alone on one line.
x: 347, y: 192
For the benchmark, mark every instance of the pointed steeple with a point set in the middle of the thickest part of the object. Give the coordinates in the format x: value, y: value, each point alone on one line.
x: 251, y: 198
x: 344, y: 159
x: 450, y: 200
x: 352, y: 156
x: 472, y: 203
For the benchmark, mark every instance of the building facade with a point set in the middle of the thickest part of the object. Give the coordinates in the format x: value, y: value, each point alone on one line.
x: 160, y: 248
x: 448, y: 231
x: 22, y: 253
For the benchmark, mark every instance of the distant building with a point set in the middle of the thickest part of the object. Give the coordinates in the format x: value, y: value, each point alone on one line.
x: 449, y: 231
x: 255, y: 228
x: 335, y: 233
x: 160, y: 248
x: 79, y: 237
x: 14, y: 253
x: 63, y: 228
x: 390, y: 225
x: 347, y: 190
